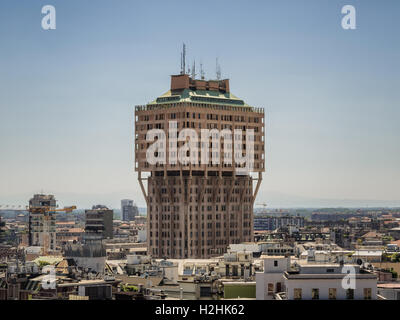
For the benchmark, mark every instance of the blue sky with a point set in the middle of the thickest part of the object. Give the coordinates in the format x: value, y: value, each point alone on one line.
x: 331, y: 95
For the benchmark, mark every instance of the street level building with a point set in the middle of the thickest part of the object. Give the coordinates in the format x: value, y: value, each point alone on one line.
x: 328, y: 282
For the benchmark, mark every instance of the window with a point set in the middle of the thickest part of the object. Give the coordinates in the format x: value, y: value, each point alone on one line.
x: 315, y: 294
x: 350, y: 294
x: 332, y: 293
x: 275, y: 263
x: 297, y: 294
x: 270, y: 289
x: 367, y: 293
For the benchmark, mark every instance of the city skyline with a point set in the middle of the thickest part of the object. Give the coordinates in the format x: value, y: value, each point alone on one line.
x: 331, y: 118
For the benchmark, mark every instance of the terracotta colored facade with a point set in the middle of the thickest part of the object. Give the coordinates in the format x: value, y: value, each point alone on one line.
x: 196, y: 210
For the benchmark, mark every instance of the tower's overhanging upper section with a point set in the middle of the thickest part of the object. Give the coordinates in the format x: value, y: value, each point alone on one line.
x: 198, y: 105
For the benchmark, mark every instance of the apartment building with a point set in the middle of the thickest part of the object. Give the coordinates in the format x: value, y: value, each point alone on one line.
x: 128, y: 210
x: 271, y: 280
x: 272, y: 223
x: 330, y: 282
x: 99, y: 223
x: 42, y: 222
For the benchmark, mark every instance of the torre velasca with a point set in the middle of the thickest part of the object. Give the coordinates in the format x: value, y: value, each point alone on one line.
x: 196, y: 208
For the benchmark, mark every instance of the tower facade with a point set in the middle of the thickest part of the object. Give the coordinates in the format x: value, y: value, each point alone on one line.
x: 199, y: 196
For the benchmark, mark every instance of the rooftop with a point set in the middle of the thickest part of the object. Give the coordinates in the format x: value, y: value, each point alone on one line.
x: 200, y: 96
x: 303, y: 276
x: 211, y: 92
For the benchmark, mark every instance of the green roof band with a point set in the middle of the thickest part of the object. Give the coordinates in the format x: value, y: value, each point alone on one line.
x: 200, y: 96
x: 202, y: 99
x: 212, y: 100
x: 168, y: 99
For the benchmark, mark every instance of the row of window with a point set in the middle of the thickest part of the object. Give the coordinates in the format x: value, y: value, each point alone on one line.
x: 298, y: 293
x: 193, y: 115
x: 179, y: 252
x: 218, y: 234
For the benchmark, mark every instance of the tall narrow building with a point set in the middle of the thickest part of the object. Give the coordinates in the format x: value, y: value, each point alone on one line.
x: 128, y: 210
x: 42, y: 222
x: 196, y: 209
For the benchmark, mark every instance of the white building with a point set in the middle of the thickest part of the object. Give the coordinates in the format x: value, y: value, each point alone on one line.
x: 271, y: 281
x: 329, y: 281
x: 368, y: 255
x: 142, y: 235
x: 389, y: 291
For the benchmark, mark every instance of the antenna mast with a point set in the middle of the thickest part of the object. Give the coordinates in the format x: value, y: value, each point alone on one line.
x: 218, y: 70
x: 201, y: 71
x: 183, y: 59
x: 194, y: 70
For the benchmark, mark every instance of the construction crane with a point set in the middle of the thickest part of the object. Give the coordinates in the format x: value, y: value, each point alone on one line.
x: 13, y: 208
x: 65, y: 209
x: 262, y: 204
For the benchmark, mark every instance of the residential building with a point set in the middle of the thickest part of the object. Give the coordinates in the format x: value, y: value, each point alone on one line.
x: 330, y: 282
x: 271, y: 280
x: 128, y: 210
x: 99, y: 222
x: 389, y: 291
x: 272, y: 223
x: 42, y: 222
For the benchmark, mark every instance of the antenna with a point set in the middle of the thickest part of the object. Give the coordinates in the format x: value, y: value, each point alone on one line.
x: 218, y: 70
x: 194, y: 70
x: 201, y: 71
x: 183, y: 59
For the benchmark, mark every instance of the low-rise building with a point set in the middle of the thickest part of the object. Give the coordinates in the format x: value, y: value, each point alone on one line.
x: 330, y: 281
x: 389, y: 291
x: 271, y: 280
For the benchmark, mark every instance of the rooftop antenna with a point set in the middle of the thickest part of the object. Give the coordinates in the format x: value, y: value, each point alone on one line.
x: 201, y: 71
x: 218, y: 70
x: 183, y: 59
x: 194, y: 70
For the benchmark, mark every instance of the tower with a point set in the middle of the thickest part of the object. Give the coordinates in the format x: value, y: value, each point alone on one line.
x: 128, y: 210
x: 196, y: 209
x: 42, y: 222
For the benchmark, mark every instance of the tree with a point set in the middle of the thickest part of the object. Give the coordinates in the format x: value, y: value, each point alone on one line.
x: 395, y: 257
x: 43, y: 263
x: 128, y: 288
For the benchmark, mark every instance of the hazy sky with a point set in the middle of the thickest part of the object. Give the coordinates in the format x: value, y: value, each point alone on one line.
x: 331, y: 95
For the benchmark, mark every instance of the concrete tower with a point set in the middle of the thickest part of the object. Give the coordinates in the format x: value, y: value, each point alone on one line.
x: 196, y: 209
